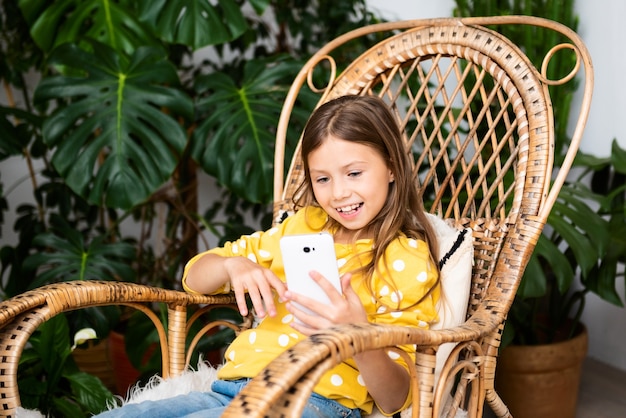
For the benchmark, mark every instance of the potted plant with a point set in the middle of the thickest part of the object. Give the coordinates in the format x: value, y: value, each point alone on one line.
x: 586, y: 241
x: 133, y: 103
x: 52, y: 382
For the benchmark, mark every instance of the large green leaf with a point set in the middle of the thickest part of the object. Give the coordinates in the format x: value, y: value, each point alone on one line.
x: 54, y: 347
x: 235, y: 141
x: 585, y: 231
x: 109, y: 22
x: 72, y: 258
x: 89, y: 391
x: 535, y: 284
x: 115, y: 110
x: 574, y: 227
x: 196, y: 23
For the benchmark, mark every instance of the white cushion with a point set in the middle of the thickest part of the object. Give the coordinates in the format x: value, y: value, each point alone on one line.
x: 456, y: 253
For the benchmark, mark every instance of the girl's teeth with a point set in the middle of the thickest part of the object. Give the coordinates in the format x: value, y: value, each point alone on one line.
x: 348, y: 208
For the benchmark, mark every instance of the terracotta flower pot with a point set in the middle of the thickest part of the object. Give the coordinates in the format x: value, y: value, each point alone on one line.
x: 124, y: 372
x: 94, y: 359
x: 538, y: 381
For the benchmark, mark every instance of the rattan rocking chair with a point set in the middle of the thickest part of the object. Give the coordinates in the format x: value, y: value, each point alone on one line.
x: 478, y: 119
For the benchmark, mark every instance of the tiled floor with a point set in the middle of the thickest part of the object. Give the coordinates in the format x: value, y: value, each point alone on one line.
x: 602, y: 391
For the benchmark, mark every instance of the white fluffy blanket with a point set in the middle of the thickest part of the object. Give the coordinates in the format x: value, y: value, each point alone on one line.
x: 190, y: 380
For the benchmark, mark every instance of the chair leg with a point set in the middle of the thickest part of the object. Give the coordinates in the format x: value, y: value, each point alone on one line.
x: 497, y: 405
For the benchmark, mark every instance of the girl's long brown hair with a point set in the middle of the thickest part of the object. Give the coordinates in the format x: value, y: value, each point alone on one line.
x: 367, y: 120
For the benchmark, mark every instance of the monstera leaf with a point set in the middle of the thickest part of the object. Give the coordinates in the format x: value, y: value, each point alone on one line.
x: 196, y: 23
x: 576, y: 227
x: 125, y: 25
x: 71, y: 257
x: 62, y: 21
x: 113, y: 141
x: 235, y: 142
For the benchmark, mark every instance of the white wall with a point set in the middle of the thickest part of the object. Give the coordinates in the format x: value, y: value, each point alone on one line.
x: 600, y: 27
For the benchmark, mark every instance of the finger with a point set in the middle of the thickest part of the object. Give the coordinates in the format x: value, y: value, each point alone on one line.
x: 307, y: 302
x: 303, y: 329
x: 257, y: 301
x: 346, y: 286
x: 306, y: 323
x: 278, y: 285
x: 240, y: 297
x: 265, y: 288
x: 326, y: 286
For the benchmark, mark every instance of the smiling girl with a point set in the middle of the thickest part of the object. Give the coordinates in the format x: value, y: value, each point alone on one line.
x: 359, y: 187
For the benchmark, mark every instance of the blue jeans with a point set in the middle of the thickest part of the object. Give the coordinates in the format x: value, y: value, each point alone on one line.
x: 212, y: 404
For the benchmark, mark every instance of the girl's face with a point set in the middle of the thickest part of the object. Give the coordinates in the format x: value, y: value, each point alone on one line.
x: 350, y: 182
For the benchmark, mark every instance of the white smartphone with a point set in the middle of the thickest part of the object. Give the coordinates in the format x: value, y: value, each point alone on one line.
x: 307, y: 252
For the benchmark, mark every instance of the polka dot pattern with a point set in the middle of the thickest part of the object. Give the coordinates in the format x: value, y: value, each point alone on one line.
x: 283, y: 340
x: 391, y: 301
x: 336, y: 380
x: 399, y: 265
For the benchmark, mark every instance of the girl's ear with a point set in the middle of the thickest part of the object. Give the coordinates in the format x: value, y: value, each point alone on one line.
x: 391, y: 177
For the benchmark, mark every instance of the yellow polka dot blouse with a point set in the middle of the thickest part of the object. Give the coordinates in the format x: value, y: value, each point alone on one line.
x: 394, y: 302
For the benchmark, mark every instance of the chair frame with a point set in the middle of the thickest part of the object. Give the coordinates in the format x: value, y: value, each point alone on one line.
x: 284, y: 386
x: 507, y: 234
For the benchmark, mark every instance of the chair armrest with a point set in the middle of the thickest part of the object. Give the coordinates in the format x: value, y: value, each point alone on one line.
x: 285, y: 385
x: 21, y: 315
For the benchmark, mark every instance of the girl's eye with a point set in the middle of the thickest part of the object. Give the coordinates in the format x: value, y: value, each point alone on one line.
x: 355, y: 173
x: 321, y: 180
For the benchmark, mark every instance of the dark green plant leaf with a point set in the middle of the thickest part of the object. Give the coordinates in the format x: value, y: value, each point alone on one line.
x: 71, y: 258
x: 116, y: 111
x: 89, y: 392
x: 584, y: 230
x: 66, y: 407
x: 68, y: 21
x: 16, y: 130
x: 534, y: 283
x: 54, y: 346
x: 259, y: 5
x: 235, y: 141
x: 32, y: 392
x: 618, y: 157
x: 195, y: 23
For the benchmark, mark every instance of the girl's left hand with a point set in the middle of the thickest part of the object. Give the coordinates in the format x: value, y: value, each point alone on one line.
x: 344, y: 308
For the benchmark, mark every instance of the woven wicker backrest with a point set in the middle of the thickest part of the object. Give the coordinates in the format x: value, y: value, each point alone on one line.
x: 477, y: 120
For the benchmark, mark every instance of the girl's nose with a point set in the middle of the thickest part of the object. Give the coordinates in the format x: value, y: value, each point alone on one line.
x: 340, y: 190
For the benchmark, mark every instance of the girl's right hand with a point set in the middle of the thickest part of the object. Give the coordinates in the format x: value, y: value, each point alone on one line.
x: 247, y: 276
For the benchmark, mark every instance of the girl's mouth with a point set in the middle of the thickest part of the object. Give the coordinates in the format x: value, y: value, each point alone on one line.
x: 350, y: 209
